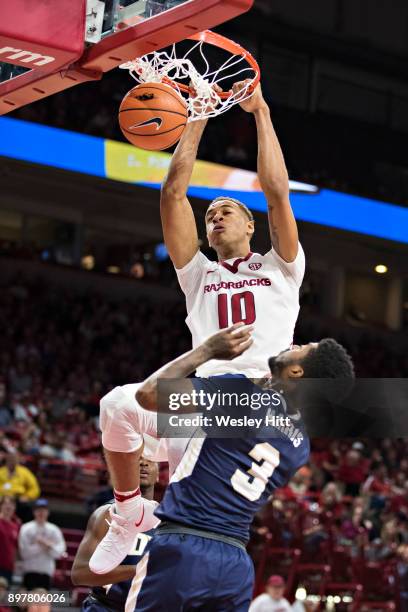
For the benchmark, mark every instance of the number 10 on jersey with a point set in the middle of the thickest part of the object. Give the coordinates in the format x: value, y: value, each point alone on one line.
x: 239, y: 308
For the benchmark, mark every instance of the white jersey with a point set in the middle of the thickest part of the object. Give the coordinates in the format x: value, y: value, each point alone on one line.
x: 145, y: 422
x: 260, y: 290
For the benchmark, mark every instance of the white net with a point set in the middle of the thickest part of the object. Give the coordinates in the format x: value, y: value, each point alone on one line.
x: 163, y: 66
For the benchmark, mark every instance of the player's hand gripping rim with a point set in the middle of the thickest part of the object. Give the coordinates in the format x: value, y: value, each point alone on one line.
x: 229, y: 343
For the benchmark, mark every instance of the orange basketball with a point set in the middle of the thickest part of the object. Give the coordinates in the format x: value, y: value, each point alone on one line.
x: 153, y: 116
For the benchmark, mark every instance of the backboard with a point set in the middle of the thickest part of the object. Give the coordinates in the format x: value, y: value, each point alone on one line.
x: 46, y: 47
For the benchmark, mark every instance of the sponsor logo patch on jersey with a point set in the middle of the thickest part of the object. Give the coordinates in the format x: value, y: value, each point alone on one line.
x: 254, y: 266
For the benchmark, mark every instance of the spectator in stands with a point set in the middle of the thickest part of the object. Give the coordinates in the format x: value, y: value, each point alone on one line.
x: 314, y: 533
x: 377, y: 481
x: 352, y: 472
x: 18, y: 481
x: 6, y: 446
x: 20, y: 380
x: 272, y: 600
x: 402, y: 569
x: 5, y: 414
x: 9, y: 528
x: 300, y: 482
x: 57, y: 448
x: 354, y: 530
x: 40, y: 544
x: 4, y: 585
x: 330, y: 499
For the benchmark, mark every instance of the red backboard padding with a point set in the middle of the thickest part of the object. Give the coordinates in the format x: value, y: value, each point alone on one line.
x: 54, y: 29
x: 62, y: 23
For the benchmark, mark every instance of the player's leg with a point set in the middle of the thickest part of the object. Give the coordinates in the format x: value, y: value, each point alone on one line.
x: 195, y: 573
x: 179, y: 575
x: 234, y: 590
x: 123, y: 446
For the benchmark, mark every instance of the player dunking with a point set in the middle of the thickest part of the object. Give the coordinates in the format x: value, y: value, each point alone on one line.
x: 261, y: 290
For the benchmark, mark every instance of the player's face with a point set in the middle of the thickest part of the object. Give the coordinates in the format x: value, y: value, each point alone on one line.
x: 226, y: 223
x: 285, y: 359
x: 149, y: 471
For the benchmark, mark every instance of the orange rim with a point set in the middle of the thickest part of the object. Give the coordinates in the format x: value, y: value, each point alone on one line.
x: 234, y: 48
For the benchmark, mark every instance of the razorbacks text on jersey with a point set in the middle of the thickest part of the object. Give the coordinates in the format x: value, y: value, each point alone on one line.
x: 261, y: 290
x: 221, y: 483
x: 113, y: 597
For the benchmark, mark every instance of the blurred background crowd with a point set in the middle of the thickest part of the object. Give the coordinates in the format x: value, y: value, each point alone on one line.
x: 335, y: 79
x: 61, y: 351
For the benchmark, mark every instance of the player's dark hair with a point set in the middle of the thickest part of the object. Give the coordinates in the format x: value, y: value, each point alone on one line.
x: 242, y: 206
x: 329, y: 361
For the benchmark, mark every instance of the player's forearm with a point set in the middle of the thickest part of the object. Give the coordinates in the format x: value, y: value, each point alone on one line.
x: 274, y: 180
x: 82, y: 575
x: 177, y: 217
x: 272, y: 172
x: 182, y: 162
x: 180, y: 368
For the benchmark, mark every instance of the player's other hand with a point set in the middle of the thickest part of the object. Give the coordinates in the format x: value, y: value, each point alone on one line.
x: 229, y: 343
x: 255, y: 102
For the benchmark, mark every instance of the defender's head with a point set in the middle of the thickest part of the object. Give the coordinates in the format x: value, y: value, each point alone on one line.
x: 228, y: 221
x: 326, y: 359
x: 149, y: 473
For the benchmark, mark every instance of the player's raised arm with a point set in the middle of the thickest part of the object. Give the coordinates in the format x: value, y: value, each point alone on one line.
x: 226, y: 344
x: 177, y: 217
x: 273, y: 177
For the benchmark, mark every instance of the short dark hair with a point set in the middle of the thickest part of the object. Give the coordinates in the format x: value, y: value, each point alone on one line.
x: 329, y: 360
x: 241, y: 205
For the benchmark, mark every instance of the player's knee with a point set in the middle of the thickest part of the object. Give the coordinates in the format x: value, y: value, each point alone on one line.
x: 111, y: 406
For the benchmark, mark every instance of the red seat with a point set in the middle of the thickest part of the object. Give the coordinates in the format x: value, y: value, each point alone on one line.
x: 379, y: 584
x: 313, y: 577
x: 275, y: 560
x: 73, y: 535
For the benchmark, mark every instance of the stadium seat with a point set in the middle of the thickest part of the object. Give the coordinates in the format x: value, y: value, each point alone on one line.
x: 276, y: 560
x: 379, y: 584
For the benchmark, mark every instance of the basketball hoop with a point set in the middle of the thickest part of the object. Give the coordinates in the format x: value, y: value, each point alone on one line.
x: 202, y: 100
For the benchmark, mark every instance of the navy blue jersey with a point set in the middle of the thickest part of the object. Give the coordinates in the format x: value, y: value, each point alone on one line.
x: 114, y: 596
x: 222, y: 482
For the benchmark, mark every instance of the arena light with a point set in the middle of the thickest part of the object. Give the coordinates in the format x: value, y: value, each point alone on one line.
x: 381, y: 269
x: 113, y: 269
x: 88, y: 262
x: 301, y: 593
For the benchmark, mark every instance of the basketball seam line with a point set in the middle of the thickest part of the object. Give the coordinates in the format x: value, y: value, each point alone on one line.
x: 171, y: 93
x: 158, y: 134
x: 162, y: 110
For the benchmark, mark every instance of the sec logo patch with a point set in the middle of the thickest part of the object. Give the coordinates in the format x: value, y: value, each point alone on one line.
x: 254, y: 266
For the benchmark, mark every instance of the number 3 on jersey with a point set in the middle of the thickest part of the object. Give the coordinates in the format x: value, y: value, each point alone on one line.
x: 242, y: 309
x: 251, y: 484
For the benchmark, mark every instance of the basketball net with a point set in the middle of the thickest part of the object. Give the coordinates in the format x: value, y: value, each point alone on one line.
x: 203, y: 101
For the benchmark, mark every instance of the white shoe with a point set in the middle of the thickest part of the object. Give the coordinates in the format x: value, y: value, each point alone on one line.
x: 121, y: 535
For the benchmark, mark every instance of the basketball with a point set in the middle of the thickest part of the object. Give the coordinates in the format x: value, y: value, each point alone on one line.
x: 153, y: 116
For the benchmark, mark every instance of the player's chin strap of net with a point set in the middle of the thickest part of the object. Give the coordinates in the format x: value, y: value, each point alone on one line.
x: 161, y: 66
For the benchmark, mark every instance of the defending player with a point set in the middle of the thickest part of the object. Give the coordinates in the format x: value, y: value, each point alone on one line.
x: 126, y: 427
x: 124, y: 424
x: 260, y: 290
x: 110, y: 592
x: 197, y: 557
